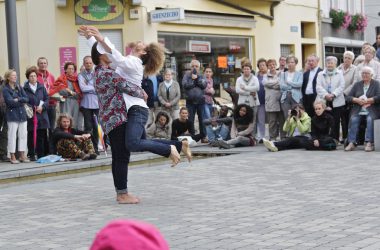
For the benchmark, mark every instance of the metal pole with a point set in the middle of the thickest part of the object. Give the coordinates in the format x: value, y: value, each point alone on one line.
x: 12, y: 39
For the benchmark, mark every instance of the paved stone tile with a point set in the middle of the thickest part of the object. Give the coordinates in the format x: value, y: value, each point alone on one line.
x: 255, y: 200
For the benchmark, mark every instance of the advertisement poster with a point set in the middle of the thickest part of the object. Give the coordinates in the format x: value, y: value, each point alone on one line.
x: 67, y: 54
x: 222, y: 62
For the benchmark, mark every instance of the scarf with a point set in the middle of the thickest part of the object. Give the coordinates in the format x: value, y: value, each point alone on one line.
x: 331, y: 72
x: 168, y: 84
x: 61, y: 84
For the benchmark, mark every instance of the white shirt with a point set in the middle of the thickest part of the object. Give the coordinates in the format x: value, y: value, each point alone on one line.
x: 33, y: 87
x: 309, y: 87
x: 128, y: 67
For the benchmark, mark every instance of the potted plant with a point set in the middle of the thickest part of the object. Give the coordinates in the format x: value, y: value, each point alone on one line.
x: 337, y: 17
x: 358, y: 23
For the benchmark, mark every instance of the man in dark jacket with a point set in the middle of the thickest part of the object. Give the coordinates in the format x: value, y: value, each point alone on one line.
x: 309, y: 92
x: 194, y: 85
x: 150, y: 86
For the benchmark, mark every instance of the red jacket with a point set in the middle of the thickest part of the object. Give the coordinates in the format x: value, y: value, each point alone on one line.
x: 48, y: 81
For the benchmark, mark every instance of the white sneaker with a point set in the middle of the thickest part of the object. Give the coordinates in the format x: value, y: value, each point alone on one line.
x: 350, y: 147
x: 270, y: 145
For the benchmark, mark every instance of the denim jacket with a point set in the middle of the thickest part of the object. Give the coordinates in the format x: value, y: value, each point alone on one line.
x: 293, y: 86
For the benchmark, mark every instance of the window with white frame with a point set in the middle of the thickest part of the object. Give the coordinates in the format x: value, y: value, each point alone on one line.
x: 285, y: 49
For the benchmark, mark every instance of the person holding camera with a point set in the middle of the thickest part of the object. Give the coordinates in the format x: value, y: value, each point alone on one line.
x: 330, y: 87
x: 297, y: 126
x: 195, y: 84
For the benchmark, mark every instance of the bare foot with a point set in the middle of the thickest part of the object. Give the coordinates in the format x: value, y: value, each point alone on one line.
x: 127, y: 199
x: 174, y: 155
x: 186, y: 150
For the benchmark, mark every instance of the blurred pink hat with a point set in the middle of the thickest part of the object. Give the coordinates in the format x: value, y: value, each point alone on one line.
x: 128, y: 235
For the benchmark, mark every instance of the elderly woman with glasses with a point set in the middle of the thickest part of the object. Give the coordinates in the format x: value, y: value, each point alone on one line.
x: 369, y: 60
x: 330, y: 87
x: 365, y: 97
x: 349, y: 71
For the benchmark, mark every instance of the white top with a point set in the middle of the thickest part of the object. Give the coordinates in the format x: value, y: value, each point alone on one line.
x: 128, y: 67
x: 250, y: 85
x: 309, y: 87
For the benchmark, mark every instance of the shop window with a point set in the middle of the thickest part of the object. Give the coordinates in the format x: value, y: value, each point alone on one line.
x: 286, y: 49
x: 222, y: 53
x: 115, y: 37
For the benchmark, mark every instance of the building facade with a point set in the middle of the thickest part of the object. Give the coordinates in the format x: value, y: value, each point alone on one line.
x: 372, y: 10
x: 337, y: 40
x: 219, y: 33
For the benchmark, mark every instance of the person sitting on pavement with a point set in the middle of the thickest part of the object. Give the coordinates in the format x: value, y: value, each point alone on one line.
x: 365, y: 98
x: 184, y: 127
x: 161, y: 129
x: 241, y: 130
x: 297, y: 126
x: 72, y: 143
x: 218, y: 127
x: 322, y: 129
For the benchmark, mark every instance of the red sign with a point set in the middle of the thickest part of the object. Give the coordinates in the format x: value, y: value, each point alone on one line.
x: 67, y: 54
x: 199, y: 46
x: 235, y: 47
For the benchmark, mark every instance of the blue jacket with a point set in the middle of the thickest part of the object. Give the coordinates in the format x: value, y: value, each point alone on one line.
x: 15, y: 109
x: 294, y: 86
x: 34, y: 101
x: 147, y: 86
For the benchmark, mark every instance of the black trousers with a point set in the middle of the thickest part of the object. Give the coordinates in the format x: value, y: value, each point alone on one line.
x: 52, y: 114
x: 120, y: 158
x: 292, y: 142
x: 308, y: 103
x: 90, y: 126
x: 42, y: 144
x: 338, y: 114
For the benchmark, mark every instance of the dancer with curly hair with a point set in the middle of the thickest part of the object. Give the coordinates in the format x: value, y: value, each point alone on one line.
x: 143, y: 60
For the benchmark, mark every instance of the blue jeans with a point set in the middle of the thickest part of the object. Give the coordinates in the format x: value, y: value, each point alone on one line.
x: 221, y: 133
x: 135, y: 136
x: 354, y: 128
x: 207, y: 113
x: 199, y: 109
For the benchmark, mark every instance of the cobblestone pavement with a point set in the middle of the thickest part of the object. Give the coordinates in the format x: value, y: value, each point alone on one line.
x: 258, y: 200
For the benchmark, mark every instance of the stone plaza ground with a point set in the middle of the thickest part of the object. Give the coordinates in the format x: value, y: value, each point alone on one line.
x: 253, y: 200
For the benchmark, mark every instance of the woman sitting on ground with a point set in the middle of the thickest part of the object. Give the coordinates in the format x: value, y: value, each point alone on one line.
x: 241, y: 130
x: 71, y: 143
x: 322, y: 129
x: 183, y: 127
x: 161, y: 128
x: 297, y: 127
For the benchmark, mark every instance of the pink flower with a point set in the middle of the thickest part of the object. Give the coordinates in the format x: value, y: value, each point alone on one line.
x: 346, y: 21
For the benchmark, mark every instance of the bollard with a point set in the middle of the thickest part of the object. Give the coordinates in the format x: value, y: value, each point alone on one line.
x: 376, y: 131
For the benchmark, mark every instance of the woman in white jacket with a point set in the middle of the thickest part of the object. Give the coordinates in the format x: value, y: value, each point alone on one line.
x: 330, y: 87
x: 247, y: 86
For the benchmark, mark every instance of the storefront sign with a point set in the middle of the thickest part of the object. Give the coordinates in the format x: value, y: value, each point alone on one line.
x: 199, y: 46
x: 165, y: 15
x: 98, y: 11
x: 293, y: 28
x: 67, y: 54
x: 235, y: 47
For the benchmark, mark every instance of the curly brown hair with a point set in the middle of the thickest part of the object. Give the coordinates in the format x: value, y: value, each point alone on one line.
x: 30, y: 70
x: 62, y: 116
x: 154, y: 59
